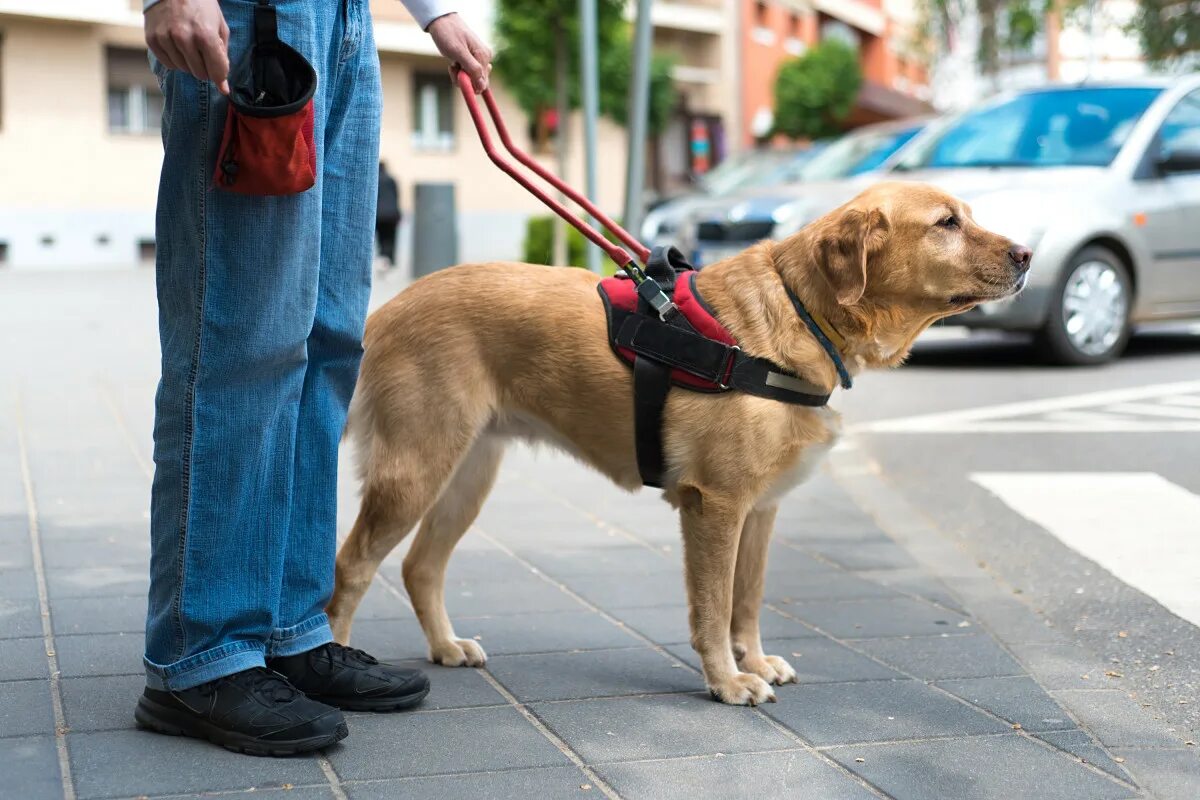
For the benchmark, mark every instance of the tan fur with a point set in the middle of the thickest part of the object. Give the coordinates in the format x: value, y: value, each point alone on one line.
x: 472, y: 356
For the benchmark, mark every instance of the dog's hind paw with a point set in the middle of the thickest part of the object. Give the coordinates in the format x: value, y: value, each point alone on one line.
x: 458, y: 653
x: 771, y: 669
x: 743, y: 689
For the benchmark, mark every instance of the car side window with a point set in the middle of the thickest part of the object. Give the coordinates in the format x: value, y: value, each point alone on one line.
x: 1181, y: 129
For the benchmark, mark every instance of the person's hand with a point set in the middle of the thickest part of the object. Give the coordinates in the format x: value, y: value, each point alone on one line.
x: 190, y: 35
x: 459, y: 43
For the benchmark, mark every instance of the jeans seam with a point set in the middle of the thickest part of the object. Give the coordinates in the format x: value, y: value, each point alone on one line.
x: 190, y: 394
x: 353, y: 32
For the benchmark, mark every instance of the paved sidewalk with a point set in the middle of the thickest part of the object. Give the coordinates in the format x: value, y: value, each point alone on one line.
x: 920, y: 677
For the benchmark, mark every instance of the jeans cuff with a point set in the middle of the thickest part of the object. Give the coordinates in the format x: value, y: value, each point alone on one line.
x: 204, y: 667
x: 310, y: 634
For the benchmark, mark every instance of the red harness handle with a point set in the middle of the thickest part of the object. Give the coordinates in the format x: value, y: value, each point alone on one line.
x: 615, y: 252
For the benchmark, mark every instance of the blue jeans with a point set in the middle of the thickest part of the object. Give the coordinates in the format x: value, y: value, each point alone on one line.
x: 262, y: 302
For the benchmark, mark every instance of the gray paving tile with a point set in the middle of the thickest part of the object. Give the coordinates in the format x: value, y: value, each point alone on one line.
x: 492, y: 564
x: 669, y: 624
x: 442, y: 742
x: 1057, y: 666
x: 54, y: 529
x: 20, y: 619
x: 1168, y: 774
x: 937, y: 657
x: 915, y: 581
x: 390, y: 638
x: 632, y: 590
x: 788, y: 588
x: 544, y: 632
x: 595, y: 673
x: 100, y: 654
x: 546, y: 783
x: 1116, y: 719
x: 989, y: 768
x: 1083, y: 747
x: 98, y: 615
x: 18, y: 584
x: 876, y: 711
x: 25, y: 709
x: 816, y: 660
x: 31, y: 763
x: 110, y: 551
x: 15, y: 551
x: 115, y: 581
x: 1016, y: 623
x: 99, y: 704
x: 861, y: 619
x: 663, y: 726
x: 751, y: 776
x: 865, y: 554
x: 569, y: 562
x: 23, y: 659
x: 380, y: 603
x: 132, y: 763
x: 1019, y: 700
x: 479, y: 598
x: 455, y: 687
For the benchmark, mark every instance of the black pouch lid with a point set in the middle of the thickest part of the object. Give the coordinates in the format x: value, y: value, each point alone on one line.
x: 272, y: 80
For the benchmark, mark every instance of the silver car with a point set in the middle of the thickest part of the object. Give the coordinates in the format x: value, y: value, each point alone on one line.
x: 1101, y: 180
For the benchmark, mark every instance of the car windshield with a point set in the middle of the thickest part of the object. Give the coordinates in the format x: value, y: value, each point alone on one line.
x: 1067, y: 127
x: 744, y: 172
x: 856, y: 153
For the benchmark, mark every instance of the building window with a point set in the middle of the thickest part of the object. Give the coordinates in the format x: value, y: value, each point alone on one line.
x: 433, y: 112
x: 135, y: 103
x: 837, y: 30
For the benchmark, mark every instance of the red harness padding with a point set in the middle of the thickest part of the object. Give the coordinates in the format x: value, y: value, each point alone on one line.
x: 621, y: 293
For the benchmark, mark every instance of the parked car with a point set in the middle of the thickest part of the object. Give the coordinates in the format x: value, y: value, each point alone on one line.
x: 717, y: 228
x: 750, y: 170
x: 1103, y: 182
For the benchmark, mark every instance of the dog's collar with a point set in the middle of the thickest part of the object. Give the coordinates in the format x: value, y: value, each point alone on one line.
x: 826, y: 335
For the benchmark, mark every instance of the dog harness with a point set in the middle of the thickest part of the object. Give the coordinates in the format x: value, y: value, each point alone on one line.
x: 672, y: 338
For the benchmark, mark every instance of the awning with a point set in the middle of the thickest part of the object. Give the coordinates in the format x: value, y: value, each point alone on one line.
x: 876, y: 102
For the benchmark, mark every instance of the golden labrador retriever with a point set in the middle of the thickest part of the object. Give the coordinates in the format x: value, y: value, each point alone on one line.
x: 471, y: 357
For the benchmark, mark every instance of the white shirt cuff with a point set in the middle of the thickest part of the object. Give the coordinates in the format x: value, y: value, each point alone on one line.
x: 426, y: 11
x: 147, y: 3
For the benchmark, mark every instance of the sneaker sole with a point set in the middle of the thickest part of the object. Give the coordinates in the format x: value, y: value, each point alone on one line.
x: 380, y: 705
x: 159, y: 719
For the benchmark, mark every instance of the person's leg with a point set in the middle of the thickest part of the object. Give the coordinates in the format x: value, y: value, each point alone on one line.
x: 349, y: 192
x: 387, y: 242
x: 237, y: 288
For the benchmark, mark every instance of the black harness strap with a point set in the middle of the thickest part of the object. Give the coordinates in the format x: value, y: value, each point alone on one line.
x: 651, y: 376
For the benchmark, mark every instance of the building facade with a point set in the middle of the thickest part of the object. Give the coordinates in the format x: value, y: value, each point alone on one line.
x: 883, y: 33
x: 80, y: 114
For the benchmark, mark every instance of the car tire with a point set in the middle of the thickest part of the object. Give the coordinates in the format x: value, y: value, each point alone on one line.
x: 1089, y: 317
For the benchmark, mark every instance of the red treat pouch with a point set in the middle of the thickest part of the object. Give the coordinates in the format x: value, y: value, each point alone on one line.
x: 267, y: 147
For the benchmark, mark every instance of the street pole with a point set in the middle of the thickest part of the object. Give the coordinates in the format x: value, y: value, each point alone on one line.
x: 639, y: 110
x: 591, y: 109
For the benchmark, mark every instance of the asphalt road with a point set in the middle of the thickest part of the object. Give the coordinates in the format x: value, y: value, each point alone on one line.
x: 1055, y: 495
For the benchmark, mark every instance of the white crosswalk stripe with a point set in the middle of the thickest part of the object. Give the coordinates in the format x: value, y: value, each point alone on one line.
x: 1144, y: 409
x: 1139, y: 526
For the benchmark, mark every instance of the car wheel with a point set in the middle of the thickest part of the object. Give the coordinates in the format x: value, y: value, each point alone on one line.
x: 1089, y: 312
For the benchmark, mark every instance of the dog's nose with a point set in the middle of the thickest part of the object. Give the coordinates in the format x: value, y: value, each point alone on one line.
x: 1020, y: 256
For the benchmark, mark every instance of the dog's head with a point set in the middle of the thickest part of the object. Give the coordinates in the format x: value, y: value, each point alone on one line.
x: 899, y: 257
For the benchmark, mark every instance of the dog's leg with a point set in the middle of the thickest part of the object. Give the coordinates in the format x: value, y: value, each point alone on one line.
x: 711, y: 528
x: 425, y: 564
x: 394, y: 499
x: 747, y: 600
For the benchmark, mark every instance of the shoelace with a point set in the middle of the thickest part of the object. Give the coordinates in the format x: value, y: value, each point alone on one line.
x: 258, y: 680
x: 334, y: 652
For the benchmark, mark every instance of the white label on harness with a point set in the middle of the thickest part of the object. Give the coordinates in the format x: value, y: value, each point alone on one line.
x: 781, y: 381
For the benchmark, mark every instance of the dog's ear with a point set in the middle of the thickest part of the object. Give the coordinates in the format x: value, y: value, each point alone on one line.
x: 845, y: 244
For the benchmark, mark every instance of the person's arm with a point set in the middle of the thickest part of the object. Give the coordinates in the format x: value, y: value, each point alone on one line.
x: 454, y: 39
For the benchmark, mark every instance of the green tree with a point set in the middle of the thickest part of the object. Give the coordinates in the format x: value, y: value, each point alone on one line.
x: 1169, y: 31
x: 815, y: 92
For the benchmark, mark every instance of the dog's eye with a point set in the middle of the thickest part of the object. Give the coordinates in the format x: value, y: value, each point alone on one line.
x: 949, y: 222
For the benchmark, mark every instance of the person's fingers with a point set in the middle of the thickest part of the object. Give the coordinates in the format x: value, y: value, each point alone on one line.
x: 473, y: 68
x: 188, y: 47
x: 216, y: 61
x: 164, y: 50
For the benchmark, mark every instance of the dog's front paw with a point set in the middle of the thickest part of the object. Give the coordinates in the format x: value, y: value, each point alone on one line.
x: 458, y: 653
x: 743, y: 689
x: 771, y: 669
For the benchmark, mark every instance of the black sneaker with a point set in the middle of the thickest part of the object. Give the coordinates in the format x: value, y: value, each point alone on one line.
x: 255, y: 712
x: 352, y: 680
